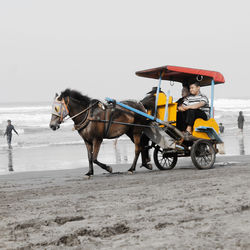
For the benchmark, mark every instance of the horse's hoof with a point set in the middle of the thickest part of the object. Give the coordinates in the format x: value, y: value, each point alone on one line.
x: 148, y: 166
x: 87, y: 176
x: 110, y: 170
x: 130, y: 172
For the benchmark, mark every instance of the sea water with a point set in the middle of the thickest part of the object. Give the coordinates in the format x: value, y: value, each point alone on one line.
x: 39, y: 148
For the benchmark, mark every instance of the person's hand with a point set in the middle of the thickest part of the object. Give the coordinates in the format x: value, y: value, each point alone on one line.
x: 180, y: 108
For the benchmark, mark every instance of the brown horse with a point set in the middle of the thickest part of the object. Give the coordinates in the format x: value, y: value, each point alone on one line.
x: 96, y: 121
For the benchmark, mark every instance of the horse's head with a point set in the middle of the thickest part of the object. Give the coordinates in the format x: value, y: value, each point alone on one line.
x: 59, y: 111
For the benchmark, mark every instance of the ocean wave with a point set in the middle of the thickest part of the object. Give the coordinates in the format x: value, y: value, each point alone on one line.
x: 232, y: 104
x: 27, y: 145
x: 24, y: 109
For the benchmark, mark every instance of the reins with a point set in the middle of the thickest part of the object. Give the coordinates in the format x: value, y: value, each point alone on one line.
x: 83, y: 111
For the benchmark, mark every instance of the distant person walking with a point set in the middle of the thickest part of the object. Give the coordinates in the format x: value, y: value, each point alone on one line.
x: 241, y: 121
x: 221, y: 128
x: 8, y: 132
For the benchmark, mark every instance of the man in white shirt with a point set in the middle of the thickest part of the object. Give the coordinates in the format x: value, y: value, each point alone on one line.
x: 196, y: 105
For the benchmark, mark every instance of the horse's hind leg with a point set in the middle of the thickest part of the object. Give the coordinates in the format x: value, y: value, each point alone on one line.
x: 137, y: 138
x: 145, y: 152
x: 96, y: 148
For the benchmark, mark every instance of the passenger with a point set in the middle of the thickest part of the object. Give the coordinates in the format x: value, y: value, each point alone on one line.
x: 181, y: 116
x: 184, y: 93
x: 196, y: 105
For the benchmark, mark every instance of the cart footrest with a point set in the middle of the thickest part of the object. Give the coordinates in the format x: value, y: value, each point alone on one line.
x: 210, y: 132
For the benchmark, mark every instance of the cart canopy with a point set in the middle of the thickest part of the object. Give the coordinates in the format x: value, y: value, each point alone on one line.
x: 183, y: 75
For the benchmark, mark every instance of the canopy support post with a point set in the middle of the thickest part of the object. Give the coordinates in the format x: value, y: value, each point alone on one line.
x: 166, y: 107
x: 212, y: 100
x: 157, y: 96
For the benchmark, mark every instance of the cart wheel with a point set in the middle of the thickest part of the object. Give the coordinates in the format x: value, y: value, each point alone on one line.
x: 163, y: 160
x: 203, y: 154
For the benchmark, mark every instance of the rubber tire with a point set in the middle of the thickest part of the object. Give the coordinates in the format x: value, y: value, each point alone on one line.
x: 194, y: 149
x: 158, y: 164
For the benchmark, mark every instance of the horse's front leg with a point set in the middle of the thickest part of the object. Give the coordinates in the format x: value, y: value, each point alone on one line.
x: 90, y: 157
x: 137, y: 138
x: 96, y: 148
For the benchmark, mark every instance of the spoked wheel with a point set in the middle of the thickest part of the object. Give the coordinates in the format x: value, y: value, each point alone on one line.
x: 164, y: 160
x: 203, y: 154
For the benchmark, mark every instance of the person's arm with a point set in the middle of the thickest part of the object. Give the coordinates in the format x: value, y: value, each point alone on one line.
x: 194, y: 106
x: 183, y: 106
x: 5, y: 132
x: 15, y: 131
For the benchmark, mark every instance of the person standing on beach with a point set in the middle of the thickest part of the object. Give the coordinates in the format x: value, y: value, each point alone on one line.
x: 241, y: 121
x: 221, y: 128
x: 8, y: 132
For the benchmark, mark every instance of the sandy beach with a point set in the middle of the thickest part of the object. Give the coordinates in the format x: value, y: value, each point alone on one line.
x: 183, y: 208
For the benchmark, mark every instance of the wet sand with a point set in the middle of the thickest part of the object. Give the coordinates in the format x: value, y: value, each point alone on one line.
x: 179, y: 209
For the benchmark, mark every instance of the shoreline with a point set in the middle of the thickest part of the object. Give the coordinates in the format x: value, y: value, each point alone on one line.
x: 223, y: 159
x: 220, y: 159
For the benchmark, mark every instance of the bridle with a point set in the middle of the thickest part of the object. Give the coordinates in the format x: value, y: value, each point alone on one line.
x: 61, y: 109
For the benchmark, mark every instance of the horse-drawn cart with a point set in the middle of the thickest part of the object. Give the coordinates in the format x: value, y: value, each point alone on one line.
x: 168, y: 142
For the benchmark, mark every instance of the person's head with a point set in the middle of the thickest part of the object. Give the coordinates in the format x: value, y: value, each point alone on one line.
x: 240, y: 112
x: 9, y: 122
x: 220, y: 123
x: 154, y: 91
x: 194, y: 88
x: 185, y: 91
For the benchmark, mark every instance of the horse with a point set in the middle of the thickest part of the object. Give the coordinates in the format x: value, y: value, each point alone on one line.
x: 96, y: 121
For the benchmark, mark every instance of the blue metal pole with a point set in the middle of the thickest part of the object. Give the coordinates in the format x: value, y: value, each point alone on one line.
x: 166, y: 107
x: 135, y: 110
x: 212, y: 100
x: 157, y: 96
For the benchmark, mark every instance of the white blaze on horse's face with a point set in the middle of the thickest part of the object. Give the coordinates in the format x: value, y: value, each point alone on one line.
x: 59, y: 112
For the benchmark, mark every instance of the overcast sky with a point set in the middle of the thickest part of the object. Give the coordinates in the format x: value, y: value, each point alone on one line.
x: 96, y: 46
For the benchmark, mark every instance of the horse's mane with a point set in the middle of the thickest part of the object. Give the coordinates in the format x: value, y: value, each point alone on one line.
x: 76, y: 95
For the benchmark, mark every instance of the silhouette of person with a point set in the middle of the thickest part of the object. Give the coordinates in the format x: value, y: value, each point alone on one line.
x: 221, y: 128
x: 241, y: 121
x: 8, y: 132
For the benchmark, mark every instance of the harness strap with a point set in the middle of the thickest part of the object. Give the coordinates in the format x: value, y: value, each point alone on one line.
x: 85, y: 122
x: 89, y: 107
x: 108, y: 124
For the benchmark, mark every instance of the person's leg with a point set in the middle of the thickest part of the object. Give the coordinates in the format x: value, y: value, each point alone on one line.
x: 9, y: 140
x: 181, y: 121
x: 191, y: 116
